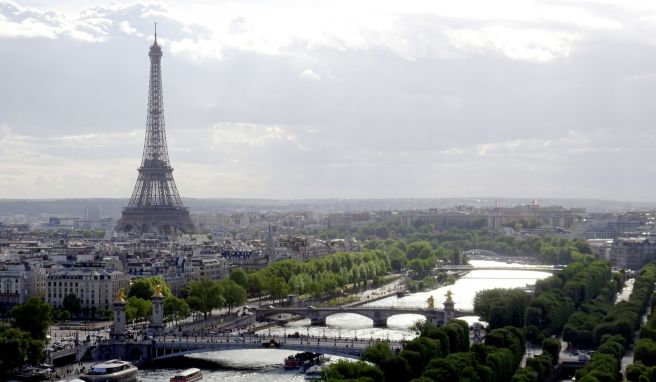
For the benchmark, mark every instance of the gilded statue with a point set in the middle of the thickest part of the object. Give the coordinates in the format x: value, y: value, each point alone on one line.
x: 431, y: 302
x: 120, y: 296
x: 158, y: 290
x: 449, y: 296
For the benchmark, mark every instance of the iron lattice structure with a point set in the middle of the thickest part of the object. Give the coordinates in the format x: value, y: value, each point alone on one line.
x: 155, y: 205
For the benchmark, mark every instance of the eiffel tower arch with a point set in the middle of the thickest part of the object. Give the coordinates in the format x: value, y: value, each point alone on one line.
x: 155, y: 205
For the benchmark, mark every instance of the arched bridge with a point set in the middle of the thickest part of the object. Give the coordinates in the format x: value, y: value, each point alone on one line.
x: 170, y: 347
x: 378, y: 315
x: 513, y: 267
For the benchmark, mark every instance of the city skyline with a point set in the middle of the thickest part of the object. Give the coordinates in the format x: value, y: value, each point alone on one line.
x: 374, y: 100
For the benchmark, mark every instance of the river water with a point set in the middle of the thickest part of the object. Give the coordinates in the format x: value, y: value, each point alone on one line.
x: 265, y: 365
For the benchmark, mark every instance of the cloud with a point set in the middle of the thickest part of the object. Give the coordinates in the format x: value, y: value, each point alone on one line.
x: 407, y: 99
x: 244, y: 134
x: 127, y: 29
x: 308, y: 74
x: 520, y: 44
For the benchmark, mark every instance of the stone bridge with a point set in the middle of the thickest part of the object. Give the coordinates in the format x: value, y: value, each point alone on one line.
x: 378, y: 315
x: 170, y: 347
x: 515, y: 267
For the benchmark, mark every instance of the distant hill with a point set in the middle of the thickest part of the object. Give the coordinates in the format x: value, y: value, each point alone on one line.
x: 112, y: 207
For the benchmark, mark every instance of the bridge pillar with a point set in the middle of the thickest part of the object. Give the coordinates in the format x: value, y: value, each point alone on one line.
x: 435, y: 317
x: 380, y: 320
x: 449, y: 309
x: 118, y: 328
x: 318, y: 321
x: 157, y: 325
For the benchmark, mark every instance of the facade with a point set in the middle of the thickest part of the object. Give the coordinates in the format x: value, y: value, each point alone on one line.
x: 177, y: 271
x: 19, y: 282
x: 497, y: 217
x: 96, y: 287
x: 209, y: 267
x: 632, y: 253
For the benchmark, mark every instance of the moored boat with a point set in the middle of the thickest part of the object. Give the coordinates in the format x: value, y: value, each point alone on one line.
x: 111, y: 371
x: 314, y: 373
x: 188, y: 375
x: 303, y: 360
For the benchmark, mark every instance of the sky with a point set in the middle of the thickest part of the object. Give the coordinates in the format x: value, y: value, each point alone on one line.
x: 333, y: 99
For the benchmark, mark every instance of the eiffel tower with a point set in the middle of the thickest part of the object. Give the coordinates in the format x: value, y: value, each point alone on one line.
x: 155, y: 205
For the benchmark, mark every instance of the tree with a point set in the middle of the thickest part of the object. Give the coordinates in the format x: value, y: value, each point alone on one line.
x: 138, y: 309
x: 239, y: 276
x: 145, y: 288
x: 645, y: 352
x: 72, y: 304
x: 175, y: 308
x: 14, y: 345
x: 33, y: 316
x: 277, y: 287
x: 377, y: 353
x: 204, y: 295
x: 233, y: 293
x: 256, y: 283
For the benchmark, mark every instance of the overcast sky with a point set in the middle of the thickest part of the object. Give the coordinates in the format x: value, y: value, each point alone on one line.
x: 333, y: 99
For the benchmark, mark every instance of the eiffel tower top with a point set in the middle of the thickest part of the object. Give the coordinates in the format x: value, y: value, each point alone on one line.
x: 155, y: 49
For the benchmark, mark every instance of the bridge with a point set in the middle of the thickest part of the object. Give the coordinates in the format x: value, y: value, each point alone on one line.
x: 170, y: 347
x: 514, y: 267
x: 378, y: 315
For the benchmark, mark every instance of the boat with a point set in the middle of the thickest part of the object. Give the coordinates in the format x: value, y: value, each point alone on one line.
x: 111, y: 371
x: 314, y: 373
x: 303, y: 360
x: 188, y: 375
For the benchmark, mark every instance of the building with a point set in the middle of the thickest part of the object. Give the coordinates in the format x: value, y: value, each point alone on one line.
x: 632, y: 253
x: 177, y: 271
x: 95, y: 287
x: 496, y: 218
x: 19, y: 282
x: 212, y: 267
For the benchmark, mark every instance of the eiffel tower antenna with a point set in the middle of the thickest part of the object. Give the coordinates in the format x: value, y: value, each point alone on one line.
x: 155, y: 205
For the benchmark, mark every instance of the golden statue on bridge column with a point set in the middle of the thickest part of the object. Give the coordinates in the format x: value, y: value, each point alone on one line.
x: 158, y: 290
x: 120, y: 296
x: 431, y: 302
x: 449, y: 296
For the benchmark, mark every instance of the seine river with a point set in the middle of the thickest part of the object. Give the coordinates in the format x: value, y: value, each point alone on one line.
x: 265, y: 365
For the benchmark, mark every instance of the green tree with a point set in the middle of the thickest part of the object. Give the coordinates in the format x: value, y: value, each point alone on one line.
x: 144, y: 288
x: 377, y: 353
x: 33, y: 316
x: 204, y: 295
x: 233, y: 293
x: 138, y: 309
x: 645, y: 352
x: 277, y: 287
x: 175, y: 308
x: 72, y: 304
x: 256, y: 283
x: 239, y: 276
x: 14, y: 344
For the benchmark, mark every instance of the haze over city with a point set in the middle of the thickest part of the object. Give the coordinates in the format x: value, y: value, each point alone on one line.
x: 333, y: 99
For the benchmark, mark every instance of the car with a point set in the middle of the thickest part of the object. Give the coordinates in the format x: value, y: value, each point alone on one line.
x: 239, y: 339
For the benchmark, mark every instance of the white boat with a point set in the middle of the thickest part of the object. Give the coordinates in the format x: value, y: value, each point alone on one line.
x: 188, y: 375
x: 111, y: 371
x: 314, y: 373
